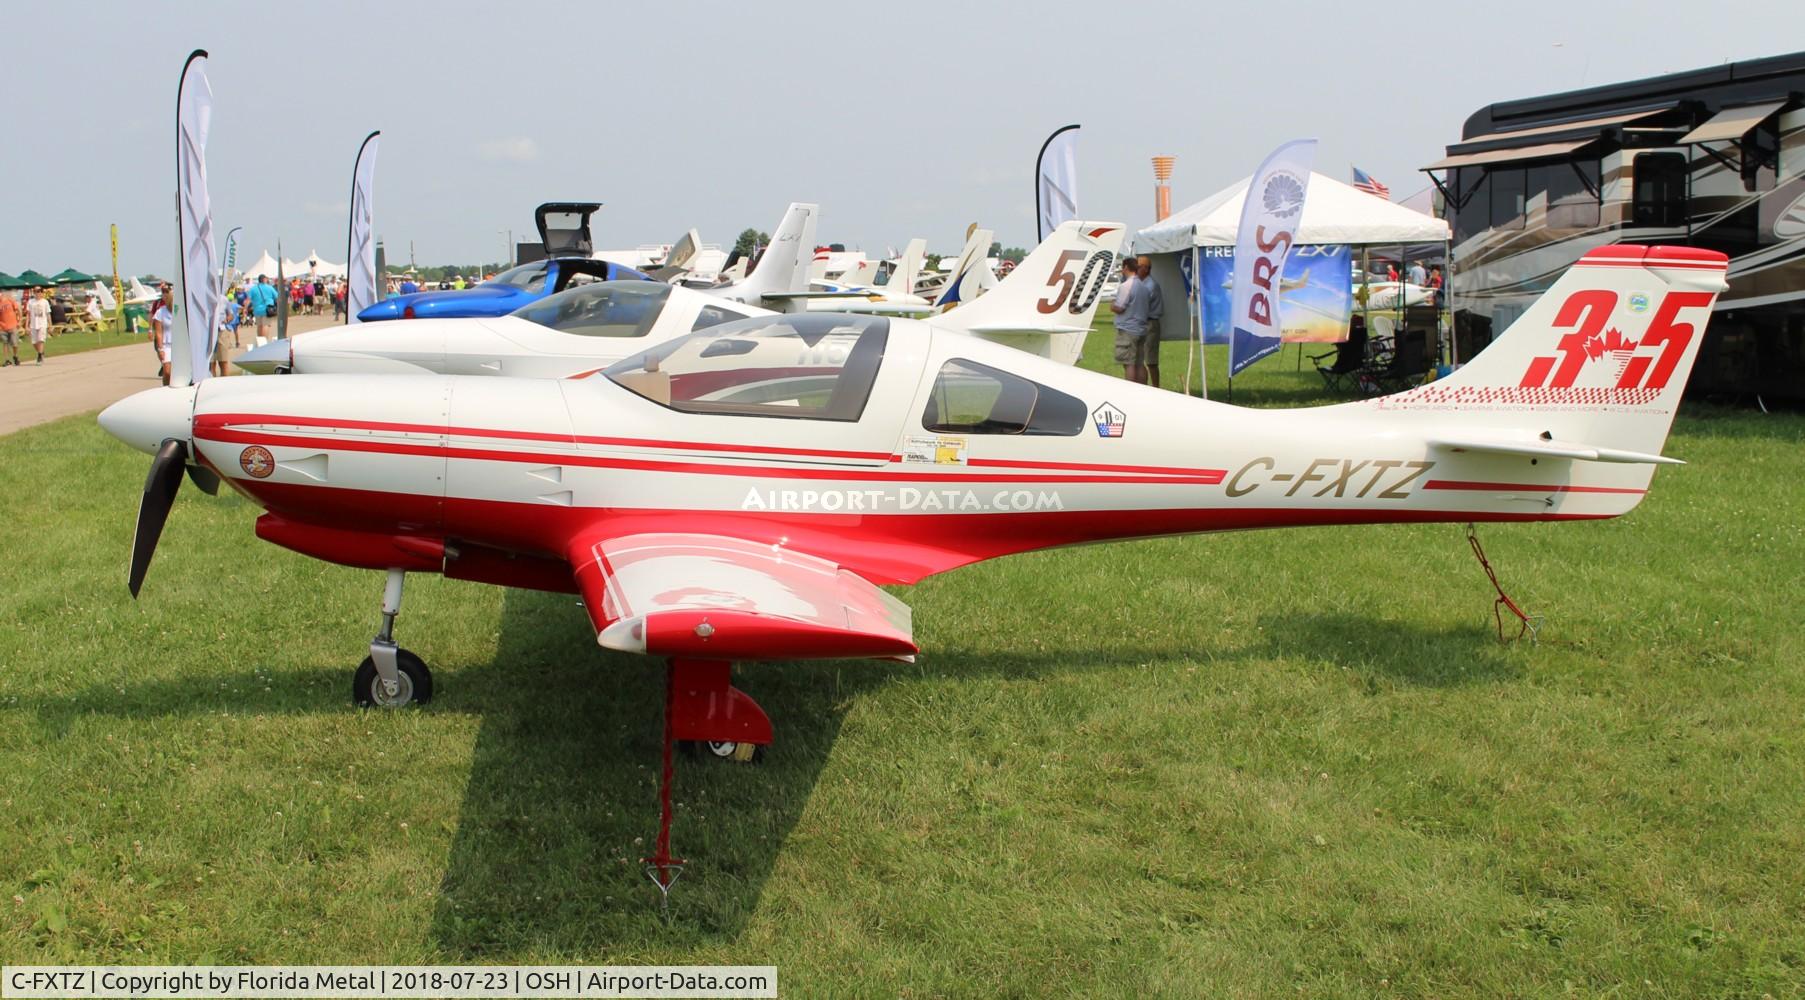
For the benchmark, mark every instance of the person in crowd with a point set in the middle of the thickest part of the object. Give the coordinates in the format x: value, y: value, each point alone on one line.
x: 338, y: 300
x: 9, y: 328
x: 1417, y: 275
x: 262, y: 297
x: 93, y: 309
x: 408, y: 287
x: 162, y: 330
x: 1391, y: 272
x: 59, y: 310
x: 37, y: 319
x: 1130, y: 309
x: 1156, y: 308
x: 1434, y: 284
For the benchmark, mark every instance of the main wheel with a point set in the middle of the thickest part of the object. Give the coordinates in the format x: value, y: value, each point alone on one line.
x: 414, y: 688
x: 738, y: 753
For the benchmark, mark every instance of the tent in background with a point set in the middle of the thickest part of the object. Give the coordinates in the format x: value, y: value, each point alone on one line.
x: 266, y: 265
x: 70, y: 276
x: 324, y: 268
x: 1334, y: 214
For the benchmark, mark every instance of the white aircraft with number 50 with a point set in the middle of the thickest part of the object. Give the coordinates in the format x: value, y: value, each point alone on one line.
x: 741, y: 492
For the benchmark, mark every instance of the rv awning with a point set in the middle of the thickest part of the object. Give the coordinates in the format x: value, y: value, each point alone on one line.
x: 1733, y: 123
x: 1588, y: 124
x: 1546, y: 149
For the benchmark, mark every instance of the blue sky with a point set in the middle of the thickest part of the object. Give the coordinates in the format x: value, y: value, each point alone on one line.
x: 901, y: 120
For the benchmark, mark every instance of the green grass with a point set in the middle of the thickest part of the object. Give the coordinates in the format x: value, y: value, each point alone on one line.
x: 79, y: 341
x: 1253, y: 764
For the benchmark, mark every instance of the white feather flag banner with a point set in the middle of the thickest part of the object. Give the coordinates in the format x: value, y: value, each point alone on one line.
x: 360, y: 254
x: 194, y: 220
x: 1056, y: 180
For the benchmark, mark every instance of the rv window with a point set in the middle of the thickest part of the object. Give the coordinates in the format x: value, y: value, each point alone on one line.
x: 1474, y: 215
x: 1507, y: 198
x: 1760, y: 150
x: 1571, y: 203
x: 1660, y: 189
x: 970, y: 398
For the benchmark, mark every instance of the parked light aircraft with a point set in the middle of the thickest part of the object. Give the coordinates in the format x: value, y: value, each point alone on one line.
x: 894, y: 298
x: 591, y: 326
x: 741, y: 493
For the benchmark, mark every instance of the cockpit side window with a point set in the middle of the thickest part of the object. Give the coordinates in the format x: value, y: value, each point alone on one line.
x: 970, y: 398
x: 713, y: 316
x: 819, y: 367
x: 601, y: 309
x: 528, y: 276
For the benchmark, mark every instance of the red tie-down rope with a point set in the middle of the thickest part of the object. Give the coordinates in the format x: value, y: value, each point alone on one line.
x: 1531, y: 624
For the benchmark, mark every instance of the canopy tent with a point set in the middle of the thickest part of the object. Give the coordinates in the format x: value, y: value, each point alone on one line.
x: 70, y: 276
x: 8, y: 281
x: 265, y: 266
x: 1334, y: 214
x: 323, y: 268
x: 33, y: 279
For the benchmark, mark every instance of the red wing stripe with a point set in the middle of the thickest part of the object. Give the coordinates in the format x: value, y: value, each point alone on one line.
x: 220, y: 420
x: 434, y: 450
x: 1006, y: 463
x: 1461, y: 484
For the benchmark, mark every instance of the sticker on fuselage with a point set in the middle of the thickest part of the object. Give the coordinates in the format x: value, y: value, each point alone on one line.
x: 1111, y: 422
x: 933, y: 451
x: 257, y: 462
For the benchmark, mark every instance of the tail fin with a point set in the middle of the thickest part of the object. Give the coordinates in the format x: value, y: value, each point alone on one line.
x: 908, y: 268
x: 784, y: 265
x: 1593, y: 371
x: 1046, y: 304
x: 963, y: 285
x: 681, y: 258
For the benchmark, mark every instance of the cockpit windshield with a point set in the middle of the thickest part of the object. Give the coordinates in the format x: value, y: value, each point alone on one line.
x: 818, y: 367
x: 601, y: 309
x: 528, y: 276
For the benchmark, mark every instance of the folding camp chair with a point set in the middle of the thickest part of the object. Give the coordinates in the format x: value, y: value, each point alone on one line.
x: 1350, y: 357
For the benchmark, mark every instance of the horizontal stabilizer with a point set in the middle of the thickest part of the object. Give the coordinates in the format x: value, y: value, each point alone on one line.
x: 1548, y: 447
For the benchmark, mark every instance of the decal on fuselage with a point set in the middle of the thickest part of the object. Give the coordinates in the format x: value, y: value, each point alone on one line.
x: 904, y: 499
x: 1377, y: 478
x: 933, y: 451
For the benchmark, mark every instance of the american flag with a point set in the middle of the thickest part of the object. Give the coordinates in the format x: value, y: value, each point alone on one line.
x: 1370, y: 184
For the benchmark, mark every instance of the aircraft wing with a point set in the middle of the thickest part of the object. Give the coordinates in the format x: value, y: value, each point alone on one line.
x: 722, y: 598
x: 784, y: 296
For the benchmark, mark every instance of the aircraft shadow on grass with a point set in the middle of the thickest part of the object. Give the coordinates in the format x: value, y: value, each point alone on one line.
x: 561, y: 799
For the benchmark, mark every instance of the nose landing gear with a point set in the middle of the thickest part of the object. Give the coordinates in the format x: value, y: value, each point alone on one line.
x: 391, y: 677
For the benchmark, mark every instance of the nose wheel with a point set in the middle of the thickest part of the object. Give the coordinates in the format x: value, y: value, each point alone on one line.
x: 413, y: 683
x: 390, y: 677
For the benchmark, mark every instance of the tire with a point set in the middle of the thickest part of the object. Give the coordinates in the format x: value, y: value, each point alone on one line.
x: 416, y: 683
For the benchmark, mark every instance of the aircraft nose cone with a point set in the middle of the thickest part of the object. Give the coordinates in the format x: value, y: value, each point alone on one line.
x: 143, y: 420
x: 266, y: 360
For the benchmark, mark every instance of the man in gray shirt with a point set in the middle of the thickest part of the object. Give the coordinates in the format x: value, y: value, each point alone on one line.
x: 1156, y: 309
x: 1131, y: 319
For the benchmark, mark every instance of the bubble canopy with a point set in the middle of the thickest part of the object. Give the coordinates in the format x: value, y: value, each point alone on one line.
x: 601, y: 309
x: 803, y: 366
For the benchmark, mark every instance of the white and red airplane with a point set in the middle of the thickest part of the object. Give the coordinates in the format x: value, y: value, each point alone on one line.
x: 742, y: 493
x: 591, y: 326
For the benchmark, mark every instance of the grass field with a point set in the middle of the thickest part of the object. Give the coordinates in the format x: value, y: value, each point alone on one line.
x: 1285, y: 763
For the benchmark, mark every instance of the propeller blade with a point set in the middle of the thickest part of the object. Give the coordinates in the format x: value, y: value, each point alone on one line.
x: 204, y: 479
x: 159, y: 495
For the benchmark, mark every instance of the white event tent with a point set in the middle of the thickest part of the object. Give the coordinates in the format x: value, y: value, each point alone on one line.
x: 311, y: 264
x: 1334, y: 214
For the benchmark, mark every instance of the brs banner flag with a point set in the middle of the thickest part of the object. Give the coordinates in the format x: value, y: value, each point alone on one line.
x: 1271, y: 212
x: 1314, y: 293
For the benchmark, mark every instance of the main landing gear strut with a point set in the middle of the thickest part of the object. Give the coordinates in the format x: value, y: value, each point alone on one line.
x: 390, y: 676
x: 701, y: 705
